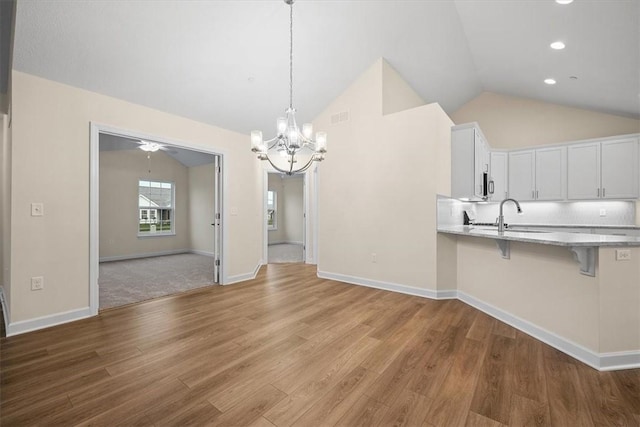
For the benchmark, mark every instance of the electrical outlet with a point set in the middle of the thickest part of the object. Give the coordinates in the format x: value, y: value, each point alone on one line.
x: 623, y: 254
x: 37, y: 283
x: 603, y: 212
x: 374, y: 258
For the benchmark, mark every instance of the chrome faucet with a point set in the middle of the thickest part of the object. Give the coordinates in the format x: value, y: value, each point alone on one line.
x: 501, y: 217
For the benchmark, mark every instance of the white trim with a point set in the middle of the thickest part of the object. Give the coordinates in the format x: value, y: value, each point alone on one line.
x: 244, y: 277
x: 574, y: 350
x: 284, y: 242
x: 94, y: 214
x: 144, y: 255
x: 263, y: 215
x: 5, y: 308
x: 388, y: 286
x: 25, y: 326
x: 620, y: 360
x: 600, y: 361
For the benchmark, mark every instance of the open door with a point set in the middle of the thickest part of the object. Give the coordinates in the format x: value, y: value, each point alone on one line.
x: 217, y: 221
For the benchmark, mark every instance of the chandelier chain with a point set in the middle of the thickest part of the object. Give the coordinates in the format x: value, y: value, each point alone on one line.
x: 291, y: 55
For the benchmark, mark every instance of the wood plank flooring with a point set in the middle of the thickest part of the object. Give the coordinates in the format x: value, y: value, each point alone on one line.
x: 289, y: 349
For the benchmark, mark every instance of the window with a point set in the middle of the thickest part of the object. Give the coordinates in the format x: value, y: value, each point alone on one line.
x: 272, y: 203
x: 155, y: 208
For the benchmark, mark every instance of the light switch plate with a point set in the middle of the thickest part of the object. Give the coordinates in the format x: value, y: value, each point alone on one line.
x: 37, y: 209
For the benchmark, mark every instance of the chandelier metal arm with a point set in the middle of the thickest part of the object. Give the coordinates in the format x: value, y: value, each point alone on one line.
x: 291, y: 171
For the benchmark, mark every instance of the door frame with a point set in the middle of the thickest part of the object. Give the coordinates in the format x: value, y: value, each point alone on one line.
x: 94, y: 197
x: 309, y: 193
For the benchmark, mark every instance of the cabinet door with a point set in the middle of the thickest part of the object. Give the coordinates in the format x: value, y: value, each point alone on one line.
x: 619, y: 169
x: 499, y: 176
x: 522, y: 175
x: 551, y: 176
x: 583, y: 171
x: 481, y: 162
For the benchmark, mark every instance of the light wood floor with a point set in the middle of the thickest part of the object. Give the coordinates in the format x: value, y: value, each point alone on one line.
x: 291, y: 349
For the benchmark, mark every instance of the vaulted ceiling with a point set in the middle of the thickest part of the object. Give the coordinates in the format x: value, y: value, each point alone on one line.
x: 226, y: 62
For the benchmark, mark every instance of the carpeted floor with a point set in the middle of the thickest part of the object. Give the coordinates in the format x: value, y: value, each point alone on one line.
x: 284, y: 253
x: 129, y: 281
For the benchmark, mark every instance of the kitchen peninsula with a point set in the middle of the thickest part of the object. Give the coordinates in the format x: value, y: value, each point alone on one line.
x: 583, y: 245
x: 592, y: 317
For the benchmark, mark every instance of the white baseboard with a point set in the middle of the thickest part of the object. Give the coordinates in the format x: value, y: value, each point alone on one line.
x: 388, y: 286
x: 199, y: 252
x: 243, y: 277
x: 599, y: 361
x: 5, y: 308
x: 284, y: 242
x: 25, y: 326
x: 619, y: 360
x: 144, y: 255
x: 574, y: 350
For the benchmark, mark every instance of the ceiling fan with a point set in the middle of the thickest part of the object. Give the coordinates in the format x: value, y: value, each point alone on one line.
x: 152, y: 147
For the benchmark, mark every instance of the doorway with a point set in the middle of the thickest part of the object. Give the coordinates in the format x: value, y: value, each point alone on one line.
x: 285, y: 218
x: 156, y: 217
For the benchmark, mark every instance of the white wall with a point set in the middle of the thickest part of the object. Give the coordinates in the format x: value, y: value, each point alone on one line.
x: 120, y: 172
x: 51, y: 136
x: 378, y: 185
x: 513, y: 122
x: 201, y: 208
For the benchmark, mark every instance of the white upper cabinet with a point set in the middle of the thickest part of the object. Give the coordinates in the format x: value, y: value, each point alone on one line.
x: 499, y: 176
x: 522, y: 175
x: 603, y: 170
x: 470, y: 160
x: 619, y: 169
x: 550, y: 173
x: 538, y: 174
x: 583, y: 171
x: 607, y: 168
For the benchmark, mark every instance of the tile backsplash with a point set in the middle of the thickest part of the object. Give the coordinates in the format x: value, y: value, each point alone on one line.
x: 450, y: 212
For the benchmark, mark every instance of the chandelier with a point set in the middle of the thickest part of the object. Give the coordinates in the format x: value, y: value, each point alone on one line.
x: 291, y: 151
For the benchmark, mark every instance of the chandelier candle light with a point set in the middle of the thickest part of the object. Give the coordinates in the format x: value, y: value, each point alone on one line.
x: 290, y: 145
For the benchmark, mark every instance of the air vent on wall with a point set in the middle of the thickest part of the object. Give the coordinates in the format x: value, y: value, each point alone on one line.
x: 339, y: 117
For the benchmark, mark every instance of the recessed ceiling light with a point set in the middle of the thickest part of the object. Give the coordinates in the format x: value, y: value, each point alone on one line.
x: 550, y: 81
x: 564, y: 1
x: 557, y: 45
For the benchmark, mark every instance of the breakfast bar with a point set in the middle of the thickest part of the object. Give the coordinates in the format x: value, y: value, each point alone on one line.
x: 582, y: 245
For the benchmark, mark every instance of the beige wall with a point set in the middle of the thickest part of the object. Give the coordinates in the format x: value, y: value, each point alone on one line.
x: 512, y: 122
x: 119, y: 175
x: 201, y: 208
x: 51, y: 165
x: 378, y: 185
x: 397, y: 95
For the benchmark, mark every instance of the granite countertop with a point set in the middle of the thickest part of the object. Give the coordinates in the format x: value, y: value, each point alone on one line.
x: 626, y: 227
x: 546, y: 238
